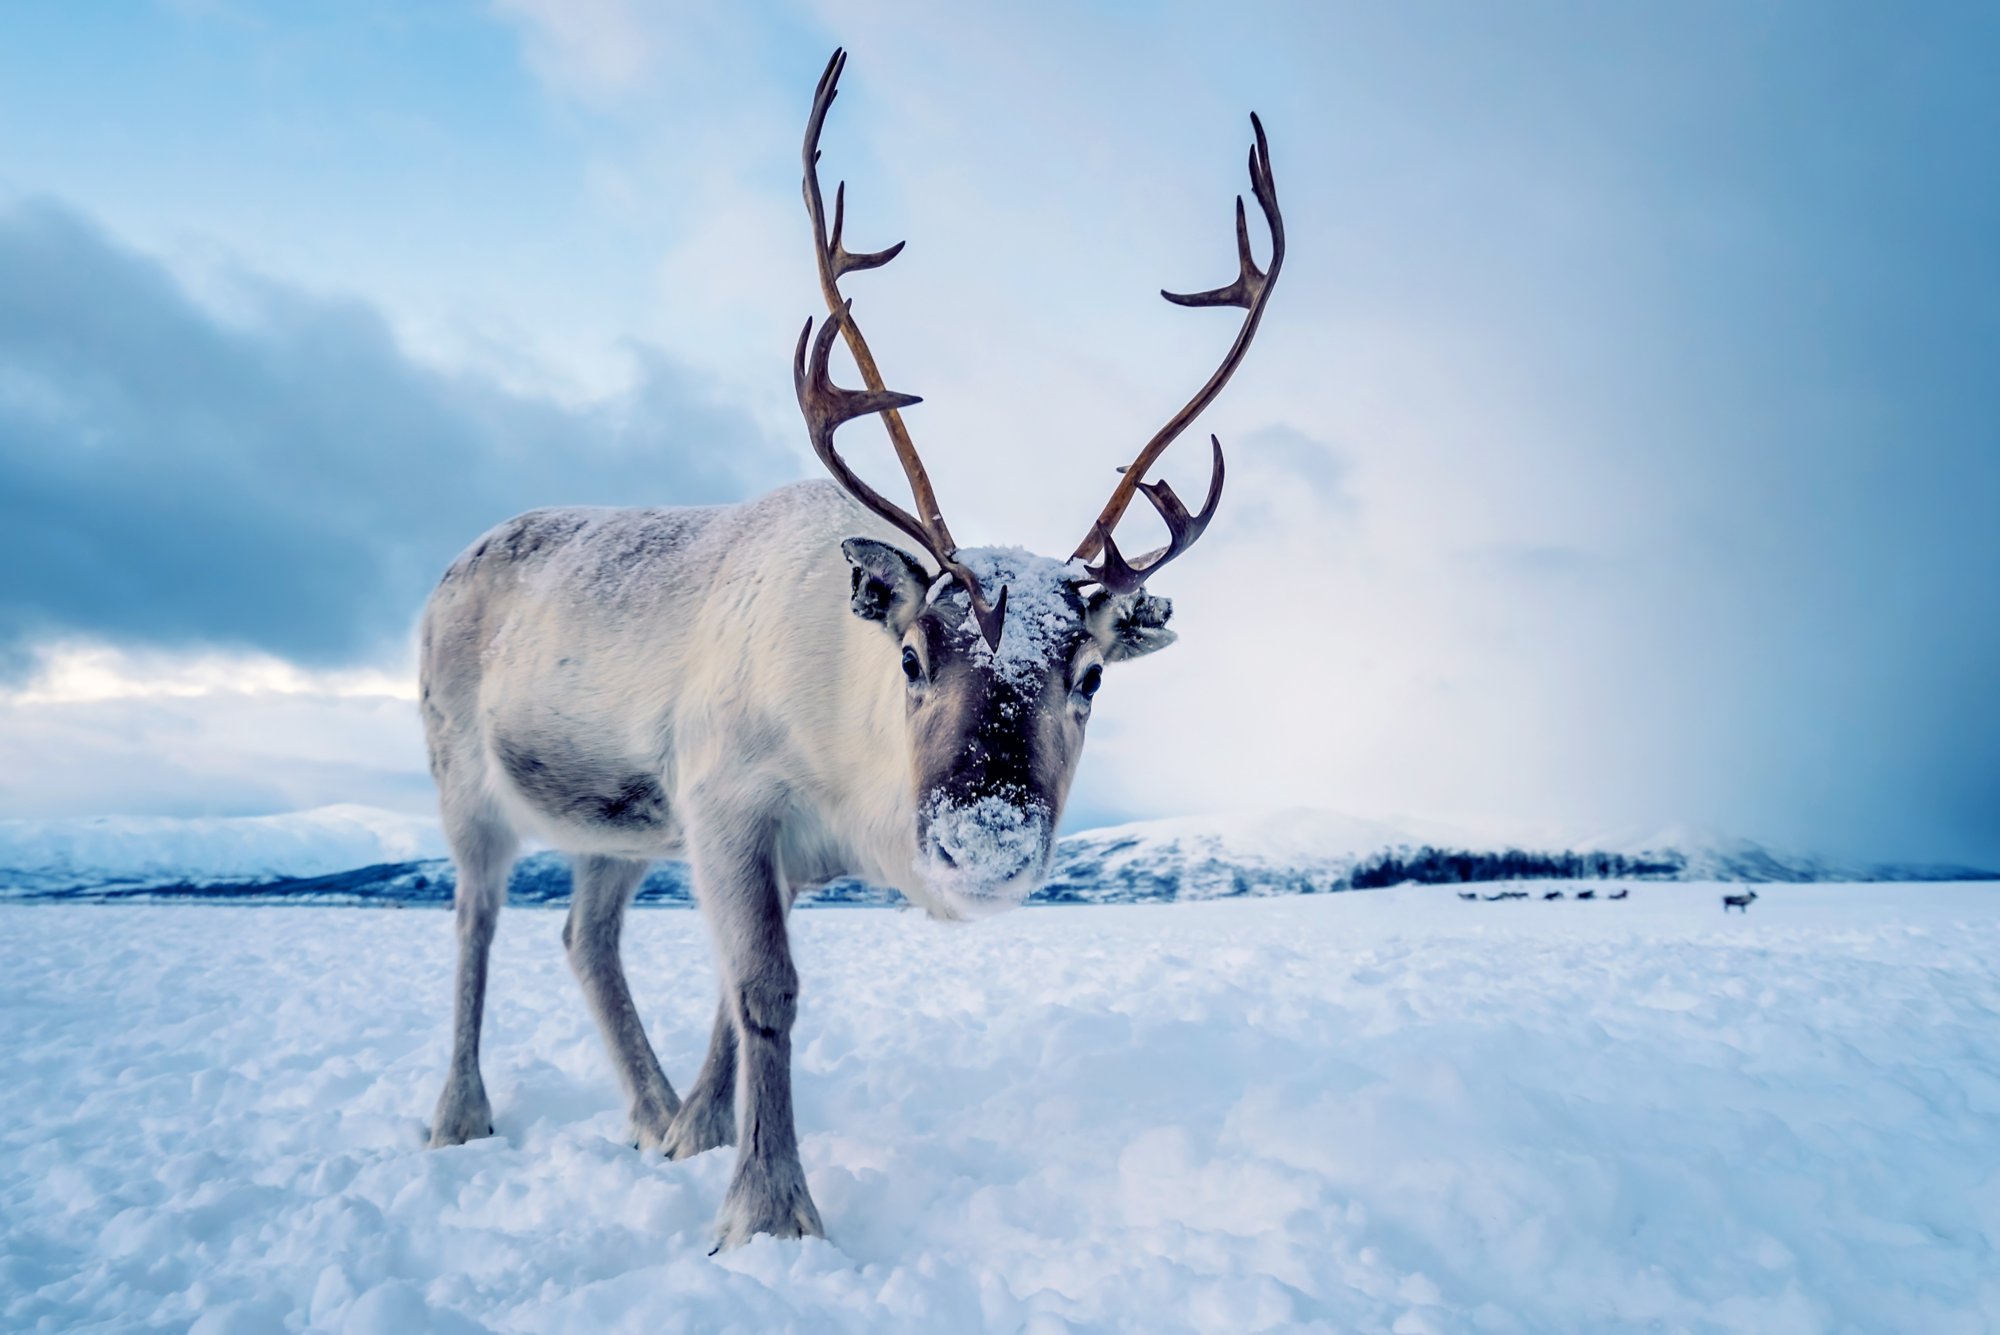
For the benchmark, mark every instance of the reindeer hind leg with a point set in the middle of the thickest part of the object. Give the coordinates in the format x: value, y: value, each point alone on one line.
x: 483, y: 849
x: 708, y: 1118
x: 603, y: 888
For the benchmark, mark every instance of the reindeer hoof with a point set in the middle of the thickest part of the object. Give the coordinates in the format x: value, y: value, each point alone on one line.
x: 462, y: 1112
x: 767, y: 1198
x: 703, y: 1124
x: 651, y: 1121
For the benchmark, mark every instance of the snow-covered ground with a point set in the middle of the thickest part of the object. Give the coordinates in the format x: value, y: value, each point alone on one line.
x: 1371, y: 1111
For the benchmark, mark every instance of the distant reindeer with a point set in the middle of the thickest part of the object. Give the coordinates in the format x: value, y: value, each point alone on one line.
x: 1741, y: 903
x: 1513, y: 894
x: 1619, y: 894
x: 1467, y: 894
x: 1553, y: 894
x: 1586, y: 894
x: 781, y: 694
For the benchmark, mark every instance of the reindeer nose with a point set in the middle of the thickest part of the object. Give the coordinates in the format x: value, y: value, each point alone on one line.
x: 986, y: 844
x: 983, y: 857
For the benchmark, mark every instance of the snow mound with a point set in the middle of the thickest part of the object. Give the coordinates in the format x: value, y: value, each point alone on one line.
x: 1391, y: 1111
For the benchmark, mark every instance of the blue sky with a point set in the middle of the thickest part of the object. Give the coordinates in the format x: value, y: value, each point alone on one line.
x: 1619, y: 451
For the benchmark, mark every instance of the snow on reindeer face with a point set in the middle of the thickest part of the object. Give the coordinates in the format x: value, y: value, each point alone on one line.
x: 995, y: 734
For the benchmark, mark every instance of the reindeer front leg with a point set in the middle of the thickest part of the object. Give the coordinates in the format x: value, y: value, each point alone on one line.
x: 737, y: 882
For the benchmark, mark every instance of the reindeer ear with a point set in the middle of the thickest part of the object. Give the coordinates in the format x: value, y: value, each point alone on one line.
x: 1129, y: 625
x: 888, y: 584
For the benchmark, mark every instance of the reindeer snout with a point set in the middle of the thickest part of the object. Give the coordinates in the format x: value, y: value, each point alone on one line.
x: 987, y: 853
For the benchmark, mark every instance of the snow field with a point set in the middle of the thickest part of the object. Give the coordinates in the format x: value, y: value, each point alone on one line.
x: 1385, y: 1111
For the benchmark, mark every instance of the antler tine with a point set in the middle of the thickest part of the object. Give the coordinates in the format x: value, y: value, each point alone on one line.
x: 846, y: 261
x: 1119, y: 576
x: 1239, y: 293
x: 1251, y: 291
x: 826, y: 405
x: 834, y: 405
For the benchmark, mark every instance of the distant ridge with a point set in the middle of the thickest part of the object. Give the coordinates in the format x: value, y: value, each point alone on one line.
x: 159, y: 850
x: 1304, y: 851
x: 363, y: 856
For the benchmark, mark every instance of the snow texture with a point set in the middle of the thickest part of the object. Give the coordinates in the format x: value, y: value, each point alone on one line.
x: 1044, y: 611
x: 991, y: 841
x: 1392, y: 1111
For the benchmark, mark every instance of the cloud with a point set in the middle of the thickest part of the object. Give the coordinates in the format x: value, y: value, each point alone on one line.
x: 611, y: 52
x: 94, y: 730
x: 221, y: 753
x: 1533, y: 560
x: 595, y: 47
x: 284, y: 479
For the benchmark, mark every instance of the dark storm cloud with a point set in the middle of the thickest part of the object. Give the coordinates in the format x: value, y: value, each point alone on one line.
x: 290, y: 483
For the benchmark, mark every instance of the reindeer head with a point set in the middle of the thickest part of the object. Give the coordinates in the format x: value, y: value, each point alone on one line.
x: 1000, y: 652
x: 995, y: 730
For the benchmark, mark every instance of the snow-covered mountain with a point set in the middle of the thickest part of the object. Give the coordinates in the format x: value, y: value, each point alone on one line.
x: 143, y: 851
x: 1213, y: 857
x: 352, y: 854
x: 1304, y: 851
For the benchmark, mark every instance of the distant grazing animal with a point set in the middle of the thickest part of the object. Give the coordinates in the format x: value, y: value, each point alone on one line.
x: 1741, y: 903
x: 1467, y: 894
x: 1553, y: 894
x: 1619, y: 894
x: 1490, y: 898
x: 1513, y: 894
x: 1586, y: 894
x: 783, y: 695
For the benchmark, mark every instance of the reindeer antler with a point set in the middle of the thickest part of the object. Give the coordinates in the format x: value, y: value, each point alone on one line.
x: 826, y: 405
x: 1251, y: 292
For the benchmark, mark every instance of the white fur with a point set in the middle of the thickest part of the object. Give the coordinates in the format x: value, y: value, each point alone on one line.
x: 634, y: 684
x: 694, y: 663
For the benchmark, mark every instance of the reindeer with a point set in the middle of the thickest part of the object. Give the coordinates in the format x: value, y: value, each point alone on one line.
x: 783, y: 694
x: 1741, y: 903
x: 1552, y: 894
x: 1468, y: 894
x: 1623, y: 893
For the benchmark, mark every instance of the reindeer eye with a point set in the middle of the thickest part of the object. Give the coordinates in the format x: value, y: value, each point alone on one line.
x: 1092, y: 678
x: 912, y: 669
